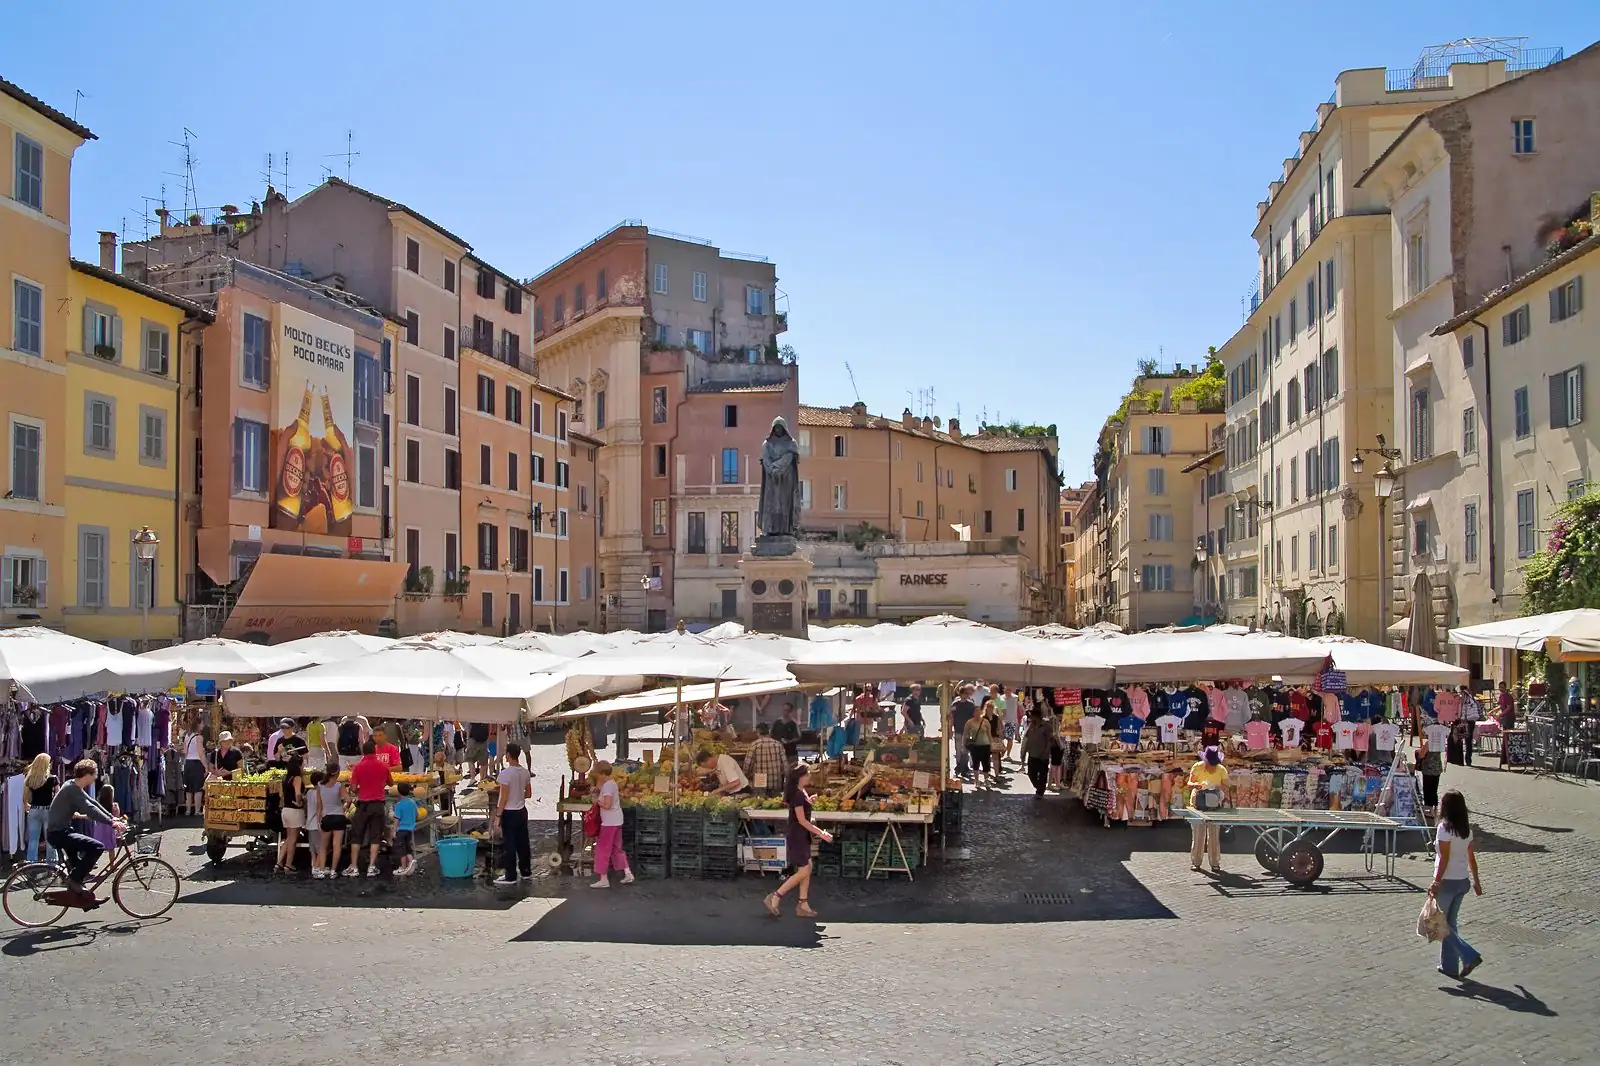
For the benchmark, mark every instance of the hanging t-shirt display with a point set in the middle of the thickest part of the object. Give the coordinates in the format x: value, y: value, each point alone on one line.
x: 1384, y: 736
x: 1299, y: 706
x: 1257, y: 734
x: 1216, y: 704
x: 1361, y: 737
x: 1139, y: 700
x: 1322, y: 734
x: 1291, y: 729
x: 1328, y: 703
x: 1280, y: 704
x: 1089, y: 728
x: 1178, y: 704
x: 1128, y: 729
x: 1211, y: 734
x: 1168, y: 726
x: 1343, y: 736
x: 1350, y: 708
x: 1437, y: 736
x: 1197, y: 710
x: 1238, y: 709
x: 1260, y: 703
x: 1447, y: 705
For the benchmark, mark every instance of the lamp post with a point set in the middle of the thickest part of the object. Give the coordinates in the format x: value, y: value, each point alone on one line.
x: 1200, y: 556
x: 1133, y: 598
x: 1383, y: 480
x: 505, y: 619
x: 145, y: 544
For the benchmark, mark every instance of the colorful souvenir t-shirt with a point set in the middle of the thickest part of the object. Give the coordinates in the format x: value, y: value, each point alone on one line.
x: 1384, y: 736
x: 1344, y: 735
x: 1256, y: 734
x: 1291, y: 728
x: 1089, y: 729
x: 1128, y: 729
x: 1168, y: 726
x: 1437, y: 736
x: 1323, y: 732
x: 1361, y: 737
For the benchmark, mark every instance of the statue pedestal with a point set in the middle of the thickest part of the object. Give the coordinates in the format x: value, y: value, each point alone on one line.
x: 776, y: 588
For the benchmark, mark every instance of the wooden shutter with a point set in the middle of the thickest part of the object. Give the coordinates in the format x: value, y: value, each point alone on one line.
x: 238, y: 455
x: 88, y: 329
x: 1577, y: 393
x: 1558, y: 400
x: 116, y: 334
x: 1555, y: 304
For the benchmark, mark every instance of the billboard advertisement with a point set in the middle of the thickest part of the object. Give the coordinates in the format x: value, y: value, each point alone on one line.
x: 313, y: 473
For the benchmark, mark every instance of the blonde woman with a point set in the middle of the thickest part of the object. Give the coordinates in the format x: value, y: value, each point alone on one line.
x: 40, y: 784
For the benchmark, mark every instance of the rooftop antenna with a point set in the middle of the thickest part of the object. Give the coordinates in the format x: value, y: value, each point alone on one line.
x: 78, y: 95
x: 191, y: 199
x: 349, y: 155
x: 853, y: 385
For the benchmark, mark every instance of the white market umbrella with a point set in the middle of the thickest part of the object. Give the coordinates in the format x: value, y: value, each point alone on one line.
x: 336, y: 645
x: 449, y: 637
x: 723, y: 630
x: 1048, y: 631
x: 1202, y: 655
x: 223, y: 660
x: 48, y: 667
x: 1374, y: 664
x: 414, y: 679
x: 1577, y: 631
x: 672, y: 695
x: 949, y: 655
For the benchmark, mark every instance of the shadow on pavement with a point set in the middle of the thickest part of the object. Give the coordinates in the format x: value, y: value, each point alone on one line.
x: 1522, y: 1001
x: 78, y: 935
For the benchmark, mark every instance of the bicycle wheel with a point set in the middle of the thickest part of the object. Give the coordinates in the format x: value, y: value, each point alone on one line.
x: 33, y: 895
x: 147, y: 887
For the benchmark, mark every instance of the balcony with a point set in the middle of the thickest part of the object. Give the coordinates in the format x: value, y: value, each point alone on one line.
x: 500, y: 352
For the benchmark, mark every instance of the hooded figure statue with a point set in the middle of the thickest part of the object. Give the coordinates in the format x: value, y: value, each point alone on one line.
x: 779, y: 515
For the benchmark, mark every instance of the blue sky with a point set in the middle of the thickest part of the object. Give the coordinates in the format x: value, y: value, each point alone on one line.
x: 1008, y: 203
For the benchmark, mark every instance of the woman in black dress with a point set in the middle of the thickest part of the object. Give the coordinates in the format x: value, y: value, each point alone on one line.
x: 801, y: 830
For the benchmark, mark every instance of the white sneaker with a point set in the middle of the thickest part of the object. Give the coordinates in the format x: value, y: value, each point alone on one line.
x: 505, y: 881
x: 407, y: 870
x: 372, y: 871
x: 352, y: 872
x: 604, y: 882
x: 627, y: 878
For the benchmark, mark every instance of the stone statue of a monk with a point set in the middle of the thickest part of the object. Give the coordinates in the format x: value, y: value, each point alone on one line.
x: 779, y: 515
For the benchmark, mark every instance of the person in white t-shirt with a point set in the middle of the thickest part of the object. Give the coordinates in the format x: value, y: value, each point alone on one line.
x: 1455, y: 872
x: 730, y: 777
x: 194, y: 772
x: 608, y: 845
x: 516, y: 788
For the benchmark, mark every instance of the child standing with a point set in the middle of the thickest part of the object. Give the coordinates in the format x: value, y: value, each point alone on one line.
x: 405, y: 825
x: 314, y: 820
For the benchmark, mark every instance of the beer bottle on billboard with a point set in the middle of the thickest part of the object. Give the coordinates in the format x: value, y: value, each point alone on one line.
x: 296, y: 458
x: 337, y: 452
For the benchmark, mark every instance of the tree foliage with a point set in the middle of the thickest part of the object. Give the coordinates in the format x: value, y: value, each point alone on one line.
x: 1566, y: 574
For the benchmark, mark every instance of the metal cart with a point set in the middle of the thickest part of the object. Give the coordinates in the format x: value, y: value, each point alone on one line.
x: 1290, y: 843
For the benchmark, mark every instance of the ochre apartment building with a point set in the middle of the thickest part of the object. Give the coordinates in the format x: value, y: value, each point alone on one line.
x: 37, y: 144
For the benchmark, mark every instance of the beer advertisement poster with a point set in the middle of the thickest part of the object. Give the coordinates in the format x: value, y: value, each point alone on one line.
x: 313, y: 472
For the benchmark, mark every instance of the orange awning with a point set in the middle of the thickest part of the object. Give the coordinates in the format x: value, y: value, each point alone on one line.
x: 289, y: 596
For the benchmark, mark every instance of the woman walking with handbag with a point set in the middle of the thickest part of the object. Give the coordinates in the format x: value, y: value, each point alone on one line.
x: 608, y: 851
x: 797, y: 845
x: 1208, y: 782
x: 1455, y: 872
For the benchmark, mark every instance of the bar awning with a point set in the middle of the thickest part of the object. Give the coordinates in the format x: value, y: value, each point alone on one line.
x: 289, y: 596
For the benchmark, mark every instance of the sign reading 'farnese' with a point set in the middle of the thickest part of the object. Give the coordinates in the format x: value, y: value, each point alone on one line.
x: 924, y: 579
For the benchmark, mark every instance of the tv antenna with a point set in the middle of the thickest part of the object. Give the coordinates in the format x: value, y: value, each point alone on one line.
x: 78, y: 96
x: 854, y: 387
x: 191, y: 199
x: 349, y: 155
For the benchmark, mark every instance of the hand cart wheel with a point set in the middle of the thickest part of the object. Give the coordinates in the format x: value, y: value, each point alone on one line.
x: 1269, y: 846
x: 1300, y: 863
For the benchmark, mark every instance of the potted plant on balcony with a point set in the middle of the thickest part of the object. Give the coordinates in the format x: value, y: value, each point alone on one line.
x: 106, y: 351
x: 25, y: 596
x: 455, y: 588
x: 419, y: 585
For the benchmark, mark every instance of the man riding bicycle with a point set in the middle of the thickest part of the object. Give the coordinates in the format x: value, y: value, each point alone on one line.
x: 73, y: 800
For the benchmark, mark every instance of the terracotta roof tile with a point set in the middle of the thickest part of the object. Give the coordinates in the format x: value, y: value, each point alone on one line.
x: 979, y: 442
x: 65, y: 121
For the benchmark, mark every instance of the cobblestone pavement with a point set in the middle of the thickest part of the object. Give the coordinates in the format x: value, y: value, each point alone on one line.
x: 1046, y: 939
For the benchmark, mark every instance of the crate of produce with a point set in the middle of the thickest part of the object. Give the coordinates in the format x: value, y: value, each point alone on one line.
x: 647, y: 817
x: 687, y: 817
x: 854, y: 851
x: 647, y: 837
x: 687, y: 866
x: 828, y: 870
x: 722, y: 816
x: 649, y: 870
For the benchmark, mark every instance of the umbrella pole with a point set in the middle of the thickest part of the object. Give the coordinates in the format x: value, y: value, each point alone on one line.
x: 944, y: 754
x: 676, y: 745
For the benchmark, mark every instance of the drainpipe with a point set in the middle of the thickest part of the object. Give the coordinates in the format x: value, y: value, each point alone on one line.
x: 178, y: 525
x: 1322, y: 443
x: 1488, y: 437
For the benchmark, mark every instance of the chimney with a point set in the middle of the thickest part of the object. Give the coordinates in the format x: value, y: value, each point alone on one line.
x: 927, y: 423
x: 108, y: 250
x: 907, y: 419
x: 955, y: 428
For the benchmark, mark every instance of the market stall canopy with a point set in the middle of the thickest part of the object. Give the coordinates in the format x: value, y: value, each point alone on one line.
x: 47, y: 667
x: 1373, y: 664
x: 449, y: 637
x: 1576, y: 632
x: 1048, y: 631
x: 570, y: 645
x: 667, y: 697
x: 707, y: 663
x: 224, y: 660
x: 414, y: 679
x: 335, y: 645
x: 723, y: 630
x: 1202, y: 654
x: 951, y: 654
x: 289, y: 596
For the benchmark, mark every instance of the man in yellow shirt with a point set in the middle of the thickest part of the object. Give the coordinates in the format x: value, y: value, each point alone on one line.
x: 1208, y: 773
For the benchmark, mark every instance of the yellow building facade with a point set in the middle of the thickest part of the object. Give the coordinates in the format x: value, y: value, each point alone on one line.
x: 119, y: 443
x: 37, y: 143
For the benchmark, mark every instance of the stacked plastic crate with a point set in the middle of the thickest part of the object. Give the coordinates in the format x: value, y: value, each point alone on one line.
x: 644, y: 838
x: 688, y: 843
x: 719, y: 843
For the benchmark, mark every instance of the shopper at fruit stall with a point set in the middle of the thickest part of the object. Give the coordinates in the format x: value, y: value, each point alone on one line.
x: 287, y: 733
x: 786, y: 731
x: 227, y: 758
x: 767, y: 764
x: 979, y: 744
x: 516, y: 788
x: 1036, y: 749
x: 194, y: 772
x: 995, y: 711
x: 292, y: 811
x: 730, y: 778
x: 962, y: 710
x: 478, y: 750
x: 913, y: 711
x: 330, y: 805
x: 347, y: 741
x: 369, y: 780
x: 797, y: 845
x: 608, y: 851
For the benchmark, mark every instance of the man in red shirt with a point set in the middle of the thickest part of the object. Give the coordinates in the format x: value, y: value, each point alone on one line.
x: 389, y: 753
x: 369, y: 780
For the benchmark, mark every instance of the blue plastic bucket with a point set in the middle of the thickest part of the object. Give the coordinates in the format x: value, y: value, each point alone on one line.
x: 457, y: 856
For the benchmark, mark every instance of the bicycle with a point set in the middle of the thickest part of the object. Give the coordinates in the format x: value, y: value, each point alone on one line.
x: 37, y: 894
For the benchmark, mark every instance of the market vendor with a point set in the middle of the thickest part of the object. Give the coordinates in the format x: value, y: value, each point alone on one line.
x: 768, y: 762
x: 285, y: 742
x: 786, y: 731
x: 731, y: 780
x: 227, y: 758
x: 913, y: 711
x: 386, y: 751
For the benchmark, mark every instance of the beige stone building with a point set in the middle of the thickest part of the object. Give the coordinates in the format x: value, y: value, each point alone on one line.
x: 1072, y: 500
x: 1091, y: 562
x: 1208, y: 504
x: 1491, y: 203
x: 1151, y: 531
x: 1313, y: 362
x: 912, y: 481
